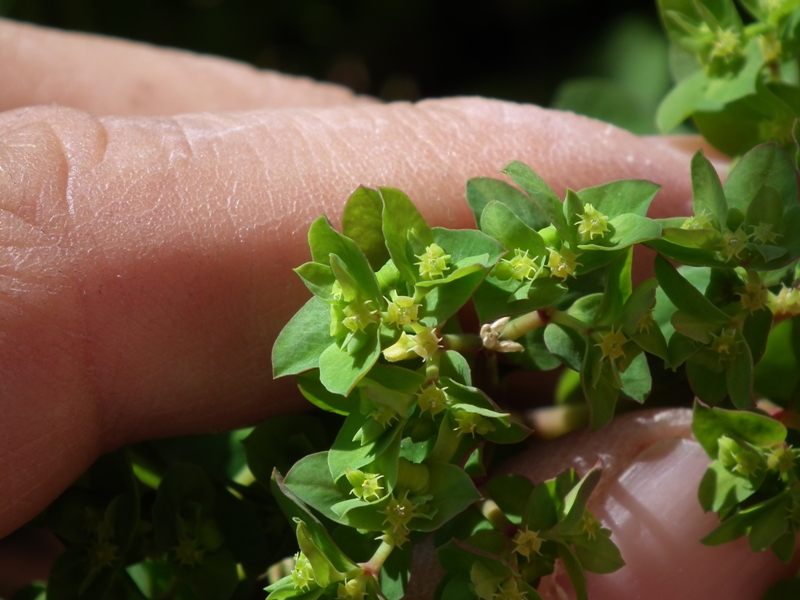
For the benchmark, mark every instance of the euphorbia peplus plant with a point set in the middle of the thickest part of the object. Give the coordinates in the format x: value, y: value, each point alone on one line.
x: 382, y: 342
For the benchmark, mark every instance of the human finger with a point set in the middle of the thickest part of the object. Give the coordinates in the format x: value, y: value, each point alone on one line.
x: 108, y: 76
x: 146, y: 263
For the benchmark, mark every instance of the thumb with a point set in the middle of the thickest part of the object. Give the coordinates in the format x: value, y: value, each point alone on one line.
x: 648, y: 498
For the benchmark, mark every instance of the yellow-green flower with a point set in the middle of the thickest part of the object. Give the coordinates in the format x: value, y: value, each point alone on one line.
x: 424, y: 344
x: 384, y: 414
x: 352, y: 589
x: 785, y: 302
x: 402, y: 310
x: 754, y: 297
x: 509, y: 590
x: 763, y: 234
x: 611, y: 344
x: 303, y: 573
x: 366, y: 486
x: 472, y: 423
x: 592, y: 223
x: 521, y: 267
x: 590, y: 525
x: 527, y: 542
x: 358, y: 315
x: 701, y: 221
x: 562, y: 264
x: 781, y: 459
x: 733, y: 243
x: 433, y: 262
x: 432, y: 398
x: 725, y: 343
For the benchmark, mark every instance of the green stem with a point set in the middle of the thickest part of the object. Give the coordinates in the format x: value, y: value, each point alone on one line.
x: 373, y: 566
x: 495, y: 516
x: 432, y: 367
x: 466, y: 343
x: 562, y: 318
x: 524, y: 324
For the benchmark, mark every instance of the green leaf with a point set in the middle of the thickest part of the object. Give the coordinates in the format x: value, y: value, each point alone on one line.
x: 567, y: 344
x: 340, y: 371
x: 403, y: 226
x: 618, y: 289
x: 316, y: 393
x: 280, y: 442
x: 688, y: 255
x: 483, y: 190
x: 685, y: 296
x: 310, y: 480
x: 626, y: 196
x: 703, y: 239
x: 771, y: 523
x: 681, y: 348
x: 492, y: 297
x: 324, y: 240
x: 709, y: 386
x: 681, y: 101
x: 572, y: 564
x: 720, y: 488
x: 783, y: 547
x: 544, y: 197
x: 783, y: 589
x: 362, y: 222
x: 756, y: 332
x: 764, y: 165
x: 739, y: 375
x: 452, y: 491
x: 302, y: 340
x: 454, y: 366
x: 511, y: 493
x: 324, y: 571
x: 319, y: 279
x: 694, y: 327
x: 707, y: 195
x: 767, y: 207
x: 731, y: 529
x: 709, y: 424
x: 743, y: 83
x: 636, y: 379
x: 599, y: 555
x: 294, y: 508
x: 599, y: 387
x: 575, y: 501
x: 541, y: 510
x: 504, y: 226
x: 348, y: 452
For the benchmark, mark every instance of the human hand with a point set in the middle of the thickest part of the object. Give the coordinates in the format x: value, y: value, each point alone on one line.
x: 147, y: 264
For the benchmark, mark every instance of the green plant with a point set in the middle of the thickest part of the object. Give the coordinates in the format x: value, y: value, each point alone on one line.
x: 738, y: 81
x: 408, y: 433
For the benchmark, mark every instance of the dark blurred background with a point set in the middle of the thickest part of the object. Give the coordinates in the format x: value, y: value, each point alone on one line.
x: 607, y: 59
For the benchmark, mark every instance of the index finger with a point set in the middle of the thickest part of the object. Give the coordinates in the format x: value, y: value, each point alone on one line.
x: 107, y: 76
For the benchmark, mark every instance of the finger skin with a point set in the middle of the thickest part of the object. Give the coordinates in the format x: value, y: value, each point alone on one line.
x: 146, y: 267
x: 106, y: 76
